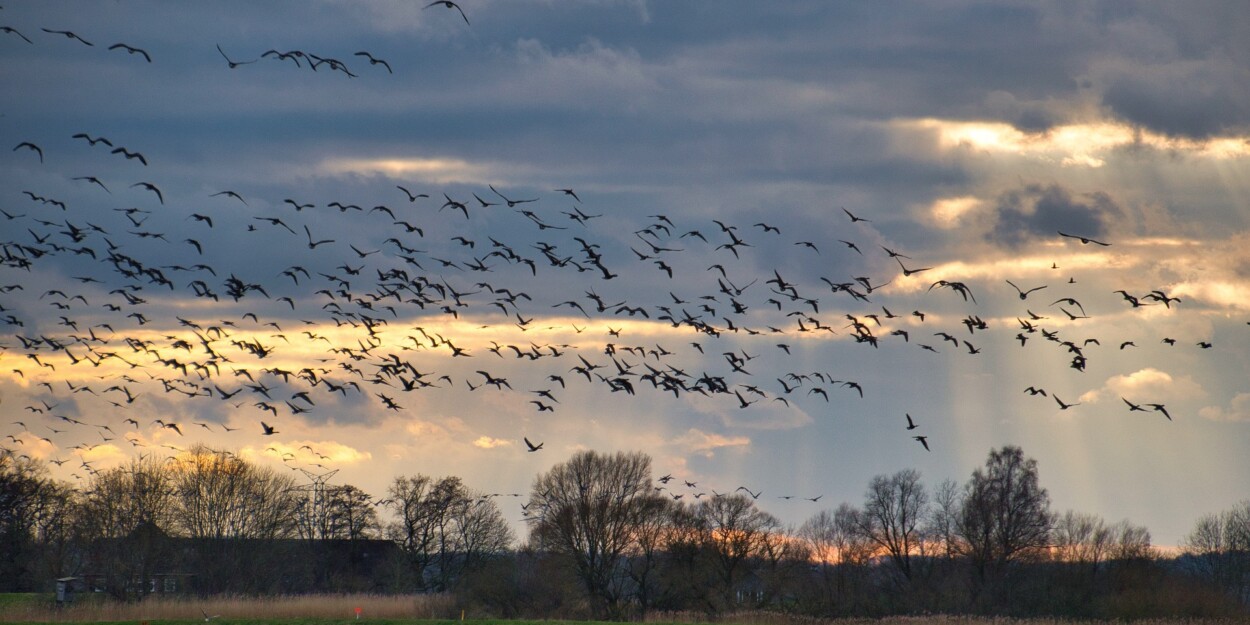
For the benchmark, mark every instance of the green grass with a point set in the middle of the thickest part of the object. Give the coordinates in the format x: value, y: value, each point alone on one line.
x: 24, y: 600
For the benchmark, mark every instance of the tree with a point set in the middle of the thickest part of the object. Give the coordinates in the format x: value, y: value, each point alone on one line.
x: 350, y: 514
x: 444, y: 528
x: 1131, y: 542
x: 220, y: 495
x: 944, y: 518
x: 836, y: 547
x: 734, y: 533
x: 1006, y: 514
x: 1219, y: 549
x: 25, y: 497
x: 119, y: 500
x: 126, y: 512
x: 1083, y: 539
x: 894, y: 510
x: 590, y: 508
x: 653, y: 536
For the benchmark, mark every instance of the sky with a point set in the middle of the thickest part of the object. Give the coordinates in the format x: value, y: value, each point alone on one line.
x: 396, y: 265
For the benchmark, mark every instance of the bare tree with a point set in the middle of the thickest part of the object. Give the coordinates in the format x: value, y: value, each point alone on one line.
x: 350, y: 514
x: 444, y: 528
x: 734, y: 532
x: 1131, y: 542
x: 894, y: 509
x: 30, y: 511
x: 126, y: 512
x: 55, y: 519
x: 1219, y: 549
x: 944, y: 518
x: 220, y: 495
x: 840, y: 553
x: 653, y: 536
x: 119, y: 500
x: 590, y: 508
x: 1083, y: 539
x: 1006, y: 514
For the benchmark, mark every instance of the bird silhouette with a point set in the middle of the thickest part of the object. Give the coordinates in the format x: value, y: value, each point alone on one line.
x: 231, y: 63
x: 375, y: 61
x: 1084, y: 240
x: 127, y: 153
x: 153, y: 188
x: 450, y: 5
x: 853, y: 217
x: 1023, y: 293
x: 132, y: 50
x: 30, y: 146
x: 14, y: 31
x: 67, y: 34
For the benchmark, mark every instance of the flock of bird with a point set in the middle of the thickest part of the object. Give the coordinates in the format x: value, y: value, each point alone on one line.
x: 146, y: 288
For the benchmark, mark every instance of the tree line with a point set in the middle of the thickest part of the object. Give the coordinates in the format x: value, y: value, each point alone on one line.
x: 605, y: 541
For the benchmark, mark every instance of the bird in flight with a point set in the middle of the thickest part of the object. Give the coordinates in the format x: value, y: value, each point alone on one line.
x: 924, y: 440
x: 1084, y: 240
x: 151, y: 187
x: 268, y: 429
x: 124, y: 152
x: 412, y: 197
x: 531, y: 446
x: 132, y: 50
x: 93, y: 180
x: 67, y: 33
x: 233, y: 64
x: 232, y: 194
x: 853, y: 217
x: 906, y: 271
x: 11, y: 30
x: 375, y: 61
x: 312, y: 245
x: 30, y: 146
x: 1062, y: 406
x: 911, y: 425
x: 1161, y: 408
x: 1023, y: 293
x: 451, y: 5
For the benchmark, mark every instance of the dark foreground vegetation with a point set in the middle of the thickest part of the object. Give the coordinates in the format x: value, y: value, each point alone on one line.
x: 607, y: 540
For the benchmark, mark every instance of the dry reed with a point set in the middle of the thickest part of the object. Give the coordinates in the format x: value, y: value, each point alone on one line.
x: 778, y: 618
x: 85, y: 610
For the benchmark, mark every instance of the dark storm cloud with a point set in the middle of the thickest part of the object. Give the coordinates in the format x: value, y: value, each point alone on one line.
x: 1216, y: 99
x: 1039, y: 211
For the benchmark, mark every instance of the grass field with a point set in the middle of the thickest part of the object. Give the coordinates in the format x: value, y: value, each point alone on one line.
x: 397, y: 609
x: 293, y: 610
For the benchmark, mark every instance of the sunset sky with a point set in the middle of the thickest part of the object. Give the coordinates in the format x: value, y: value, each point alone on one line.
x: 831, y: 185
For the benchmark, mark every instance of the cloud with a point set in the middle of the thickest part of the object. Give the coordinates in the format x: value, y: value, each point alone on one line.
x: 1216, y: 99
x: 1238, y: 410
x: 1042, y: 210
x: 951, y: 212
x: 1147, y: 384
x: 592, y: 74
x: 433, y: 170
x: 487, y: 442
x: 705, y: 444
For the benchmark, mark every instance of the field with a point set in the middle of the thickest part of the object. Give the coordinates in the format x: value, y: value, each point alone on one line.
x: 40, y: 608
x: 424, y: 609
